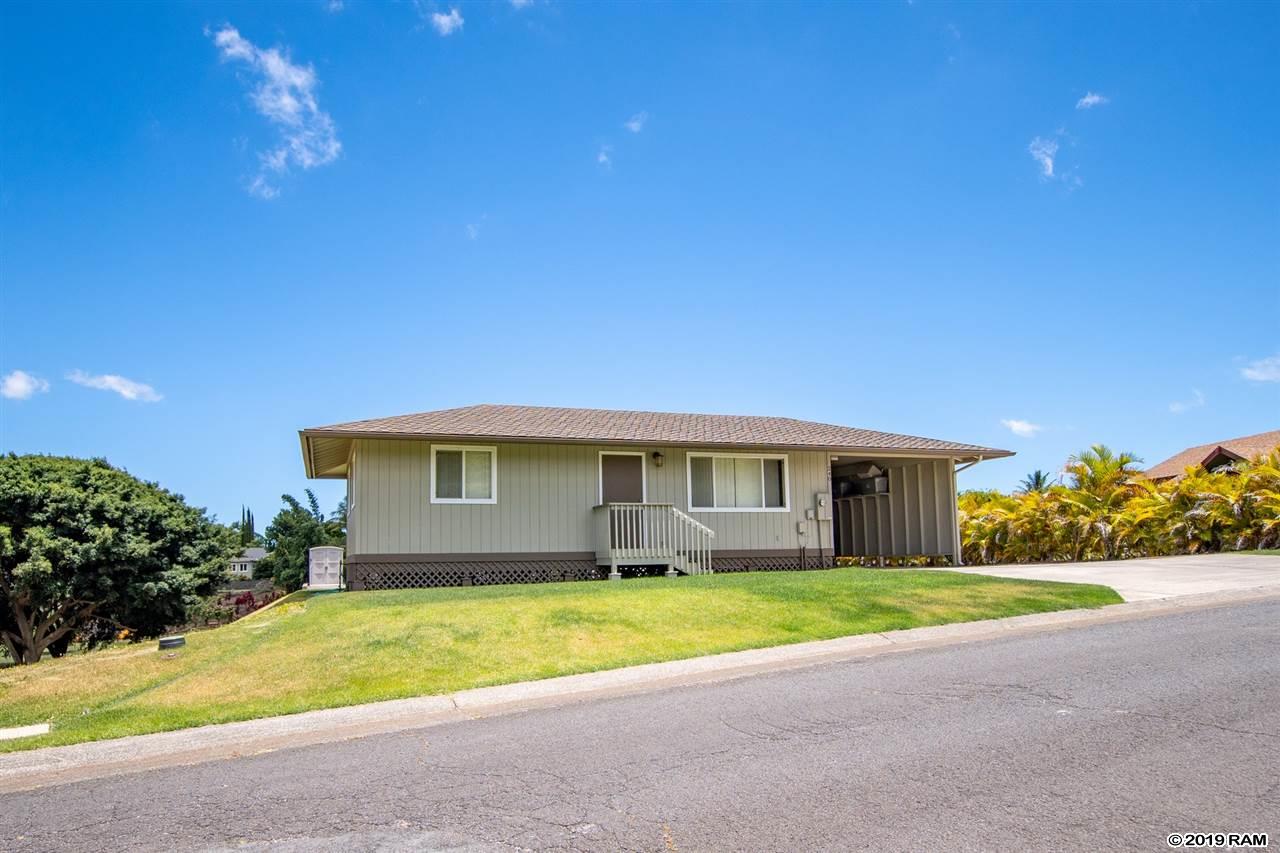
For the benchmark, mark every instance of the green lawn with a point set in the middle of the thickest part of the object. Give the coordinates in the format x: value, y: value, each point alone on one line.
x: 329, y: 649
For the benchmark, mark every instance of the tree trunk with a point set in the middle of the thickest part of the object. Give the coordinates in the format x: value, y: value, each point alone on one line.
x: 59, y: 647
x: 28, y: 644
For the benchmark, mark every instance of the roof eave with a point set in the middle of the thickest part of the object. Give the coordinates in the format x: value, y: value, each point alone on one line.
x: 305, y: 441
x: 960, y: 453
x: 333, y: 472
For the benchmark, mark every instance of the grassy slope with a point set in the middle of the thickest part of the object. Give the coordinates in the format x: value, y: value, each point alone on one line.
x: 334, y: 649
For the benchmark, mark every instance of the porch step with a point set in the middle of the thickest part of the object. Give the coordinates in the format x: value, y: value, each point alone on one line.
x: 651, y: 534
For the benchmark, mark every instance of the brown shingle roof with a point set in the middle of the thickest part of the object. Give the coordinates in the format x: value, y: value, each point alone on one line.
x: 543, y: 423
x: 1246, y: 447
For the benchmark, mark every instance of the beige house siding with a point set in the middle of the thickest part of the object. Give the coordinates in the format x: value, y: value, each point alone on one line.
x: 545, y: 493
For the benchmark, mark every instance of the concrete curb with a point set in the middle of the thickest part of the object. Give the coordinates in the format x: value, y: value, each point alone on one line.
x: 79, y: 762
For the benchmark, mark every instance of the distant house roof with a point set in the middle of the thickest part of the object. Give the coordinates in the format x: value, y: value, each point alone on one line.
x: 325, y: 449
x: 1245, y: 447
x: 252, y: 554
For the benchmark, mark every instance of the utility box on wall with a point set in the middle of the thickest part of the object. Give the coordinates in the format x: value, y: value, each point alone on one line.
x: 324, y: 567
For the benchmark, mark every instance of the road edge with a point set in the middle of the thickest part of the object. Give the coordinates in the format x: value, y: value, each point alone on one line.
x: 58, y: 765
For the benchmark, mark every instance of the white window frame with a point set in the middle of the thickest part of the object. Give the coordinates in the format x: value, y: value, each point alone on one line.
x: 786, y: 481
x: 644, y: 473
x: 493, y: 473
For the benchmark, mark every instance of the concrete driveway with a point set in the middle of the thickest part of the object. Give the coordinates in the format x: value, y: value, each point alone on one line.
x: 1157, y: 577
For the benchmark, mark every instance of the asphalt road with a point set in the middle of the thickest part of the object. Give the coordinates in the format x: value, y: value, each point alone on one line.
x: 1109, y: 736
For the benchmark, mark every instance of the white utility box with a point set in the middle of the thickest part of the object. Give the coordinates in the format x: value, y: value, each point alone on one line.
x: 324, y: 567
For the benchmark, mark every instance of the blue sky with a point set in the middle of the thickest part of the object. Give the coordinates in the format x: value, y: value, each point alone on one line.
x: 1034, y: 227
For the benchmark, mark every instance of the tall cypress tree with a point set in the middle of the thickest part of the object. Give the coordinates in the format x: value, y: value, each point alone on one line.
x: 247, y: 533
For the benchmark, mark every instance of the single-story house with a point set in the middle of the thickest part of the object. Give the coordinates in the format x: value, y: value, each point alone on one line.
x: 502, y: 494
x: 243, y: 565
x: 1215, y: 455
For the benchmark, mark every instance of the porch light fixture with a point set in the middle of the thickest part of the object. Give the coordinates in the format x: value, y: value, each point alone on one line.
x: 658, y: 458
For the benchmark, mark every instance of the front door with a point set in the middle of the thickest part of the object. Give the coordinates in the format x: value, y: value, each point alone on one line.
x: 621, y: 478
x: 622, y: 481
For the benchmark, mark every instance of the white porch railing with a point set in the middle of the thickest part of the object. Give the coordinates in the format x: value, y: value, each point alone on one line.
x: 648, y: 534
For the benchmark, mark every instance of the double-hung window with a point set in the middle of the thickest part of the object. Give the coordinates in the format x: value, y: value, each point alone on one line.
x: 464, y: 474
x: 738, y: 482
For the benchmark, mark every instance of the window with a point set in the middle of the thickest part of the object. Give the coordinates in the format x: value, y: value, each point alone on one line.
x: 738, y: 482
x: 464, y: 474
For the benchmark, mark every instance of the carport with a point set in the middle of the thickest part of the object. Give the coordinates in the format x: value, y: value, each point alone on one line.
x: 891, y: 508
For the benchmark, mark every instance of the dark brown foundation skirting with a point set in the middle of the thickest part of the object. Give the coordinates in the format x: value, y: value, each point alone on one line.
x: 407, y: 571
x: 769, y: 561
x: 372, y: 573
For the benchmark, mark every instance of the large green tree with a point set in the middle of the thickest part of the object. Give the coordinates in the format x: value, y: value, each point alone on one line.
x: 295, y: 530
x: 84, y: 544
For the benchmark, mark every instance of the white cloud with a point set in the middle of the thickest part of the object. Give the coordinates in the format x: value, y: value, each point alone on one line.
x: 521, y: 4
x: 1195, y: 402
x: 126, y: 388
x: 636, y: 123
x: 1043, y: 151
x: 473, y: 231
x: 1091, y: 100
x: 20, y: 385
x: 603, y: 157
x: 1262, y: 370
x: 262, y: 188
x: 446, y: 24
x: 285, y: 95
x: 1025, y: 429
x: 334, y: 6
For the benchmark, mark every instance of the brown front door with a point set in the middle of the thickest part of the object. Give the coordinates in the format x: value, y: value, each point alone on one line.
x: 622, y: 481
x: 621, y: 478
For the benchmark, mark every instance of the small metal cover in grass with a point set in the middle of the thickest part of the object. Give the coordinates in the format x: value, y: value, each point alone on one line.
x: 172, y: 642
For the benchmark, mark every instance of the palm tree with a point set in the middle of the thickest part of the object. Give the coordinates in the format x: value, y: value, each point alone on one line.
x: 1268, y: 523
x: 1036, y: 525
x: 1102, y: 482
x: 1108, y: 510
x: 1100, y: 469
x: 1037, y: 481
x: 1228, y: 504
x: 984, y: 525
x: 1264, y: 474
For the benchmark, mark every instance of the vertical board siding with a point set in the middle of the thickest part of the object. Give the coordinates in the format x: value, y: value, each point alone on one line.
x: 928, y: 507
x: 545, y: 495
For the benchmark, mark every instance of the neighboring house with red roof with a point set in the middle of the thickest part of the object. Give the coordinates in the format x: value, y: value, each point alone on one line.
x: 500, y: 494
x: 1215, y: 455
